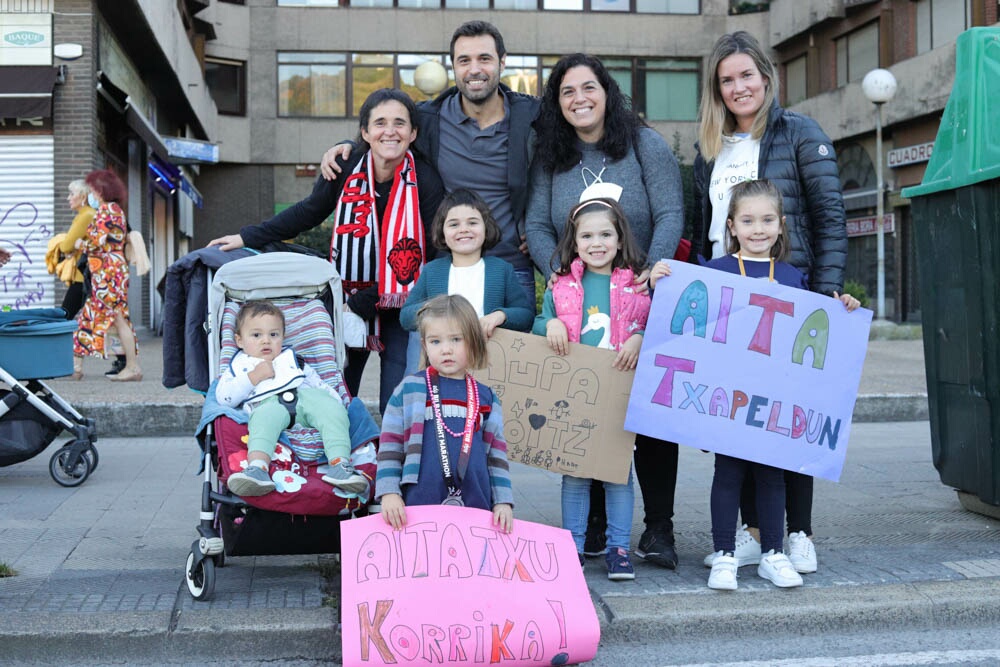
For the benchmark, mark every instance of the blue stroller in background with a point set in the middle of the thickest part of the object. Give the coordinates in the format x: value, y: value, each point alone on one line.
x: 37, y: 344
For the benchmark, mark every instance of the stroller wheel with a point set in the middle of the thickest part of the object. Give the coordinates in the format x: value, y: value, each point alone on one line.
x: 91, y: 453
x: 200, y: 578
x: 74, y: 477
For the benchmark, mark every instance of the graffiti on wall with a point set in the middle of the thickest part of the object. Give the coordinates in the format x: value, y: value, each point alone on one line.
x: 24, y: 281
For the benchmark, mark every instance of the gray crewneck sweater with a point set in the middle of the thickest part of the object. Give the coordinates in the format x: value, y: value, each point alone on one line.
x: 652, y: 198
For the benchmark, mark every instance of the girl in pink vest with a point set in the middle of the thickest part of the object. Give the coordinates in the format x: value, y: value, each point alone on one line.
x: 593, y: 301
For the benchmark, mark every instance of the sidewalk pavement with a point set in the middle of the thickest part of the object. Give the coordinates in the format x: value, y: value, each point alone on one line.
x: 893, y: 388
x: 100, y: 567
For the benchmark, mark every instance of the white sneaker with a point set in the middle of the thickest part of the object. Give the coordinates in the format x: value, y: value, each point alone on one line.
x: 801, y: 552
x: 747, y: 549
x: 723, y: 576
x: 776, y: 568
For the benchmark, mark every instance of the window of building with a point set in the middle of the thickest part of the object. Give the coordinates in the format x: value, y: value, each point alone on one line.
x: 226, y: 81
x: 312, y: 84
x: 857, y: 54
x: 634, y: 6
x: 940, y: 21
x: 795, y: 81
x: 336, y: 84
x: 666, y: 89
x: 330, y: 84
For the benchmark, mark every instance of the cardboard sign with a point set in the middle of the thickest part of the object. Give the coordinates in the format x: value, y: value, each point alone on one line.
x: 564, y: 414
x: 449, y: 588
x: 751, y: 369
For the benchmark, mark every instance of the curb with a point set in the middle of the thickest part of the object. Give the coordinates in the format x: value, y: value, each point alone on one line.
x: 891, y: 408
x: 801, y: 611
x: 185, y: 636
x: 140, y: 420
x: 314, y: 634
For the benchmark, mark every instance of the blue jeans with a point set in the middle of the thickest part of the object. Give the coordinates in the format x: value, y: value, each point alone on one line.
x: 526, y: 277
x: 619, y: 500
x: 413, y: 353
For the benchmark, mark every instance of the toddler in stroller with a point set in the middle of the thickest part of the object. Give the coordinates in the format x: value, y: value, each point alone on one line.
x: 303, y: 513
x: 278, y: 391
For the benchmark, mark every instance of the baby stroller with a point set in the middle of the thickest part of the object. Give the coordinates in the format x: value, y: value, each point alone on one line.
x: 303, y: 514
x: 37, y: 344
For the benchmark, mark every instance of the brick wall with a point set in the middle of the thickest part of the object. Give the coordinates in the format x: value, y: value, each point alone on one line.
x: 74, y: 118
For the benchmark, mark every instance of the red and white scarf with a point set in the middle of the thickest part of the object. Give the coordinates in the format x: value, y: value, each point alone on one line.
x: 389, y: 254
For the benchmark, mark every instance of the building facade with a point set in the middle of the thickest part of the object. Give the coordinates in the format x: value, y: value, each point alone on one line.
x: 238, y: 99
x: 825, y: 48
x: 93, y: 84
x: 289, y: 76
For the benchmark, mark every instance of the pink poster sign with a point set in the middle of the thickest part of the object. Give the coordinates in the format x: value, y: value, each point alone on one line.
x: 755, y: 370
x: 451, y: 589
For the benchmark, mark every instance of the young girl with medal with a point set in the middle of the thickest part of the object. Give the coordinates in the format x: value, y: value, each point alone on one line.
x: 593, y: 301
x: 442, y: 432
x: 757, y: 243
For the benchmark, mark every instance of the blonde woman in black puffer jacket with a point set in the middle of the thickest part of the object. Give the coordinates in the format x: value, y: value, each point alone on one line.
x: 744, y: 134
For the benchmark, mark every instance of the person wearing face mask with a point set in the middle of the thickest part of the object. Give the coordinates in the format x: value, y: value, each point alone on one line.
x: 106, y: 307
x: 77, y: 200
x: 745, y: 135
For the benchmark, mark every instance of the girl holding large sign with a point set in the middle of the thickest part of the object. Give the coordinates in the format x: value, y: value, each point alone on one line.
x: 593, y: 301
x: 757, y: 244
x: 745, y: 134
x: 465, y: 460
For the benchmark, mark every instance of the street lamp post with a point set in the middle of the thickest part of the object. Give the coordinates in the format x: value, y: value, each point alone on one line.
x: 879, y: 85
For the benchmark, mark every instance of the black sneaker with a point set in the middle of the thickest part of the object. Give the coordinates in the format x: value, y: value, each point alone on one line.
x: 657, y: 546
x: 595, y: 543
x: 116, y: 366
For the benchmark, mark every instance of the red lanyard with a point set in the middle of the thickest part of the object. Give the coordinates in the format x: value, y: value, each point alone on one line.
x: 471, y: 414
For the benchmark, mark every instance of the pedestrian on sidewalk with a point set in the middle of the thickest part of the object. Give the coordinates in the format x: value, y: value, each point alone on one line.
x: 744, y: 134
x: 758, y: 243
x: 106, y: 308
x: 593, y: 301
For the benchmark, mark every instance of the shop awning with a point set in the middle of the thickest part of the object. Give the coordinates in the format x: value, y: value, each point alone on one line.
x: 141, y: 126
x: 27, y: 91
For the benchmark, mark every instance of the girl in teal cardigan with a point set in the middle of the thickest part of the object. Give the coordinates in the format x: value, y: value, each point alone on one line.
x: 464, y: 226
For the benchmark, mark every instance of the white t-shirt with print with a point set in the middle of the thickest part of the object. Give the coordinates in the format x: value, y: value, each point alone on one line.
x: 737, y: 162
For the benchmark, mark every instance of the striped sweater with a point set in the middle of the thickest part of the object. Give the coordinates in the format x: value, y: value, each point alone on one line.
x: 402, y: 440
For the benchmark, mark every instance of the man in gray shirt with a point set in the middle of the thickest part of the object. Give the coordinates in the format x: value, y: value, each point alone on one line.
x: 476, y: 134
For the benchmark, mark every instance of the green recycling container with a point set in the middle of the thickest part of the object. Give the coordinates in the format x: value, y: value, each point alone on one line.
x: 956, y: 220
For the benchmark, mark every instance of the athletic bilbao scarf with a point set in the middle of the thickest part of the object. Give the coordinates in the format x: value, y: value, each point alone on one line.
x: 366, y: 252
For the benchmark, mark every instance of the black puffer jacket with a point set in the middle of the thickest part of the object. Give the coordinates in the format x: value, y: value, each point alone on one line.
x: 797, y: 156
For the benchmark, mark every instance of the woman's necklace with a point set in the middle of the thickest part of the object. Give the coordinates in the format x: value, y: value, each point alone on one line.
x: 743, y: 270
x: 471, y: 402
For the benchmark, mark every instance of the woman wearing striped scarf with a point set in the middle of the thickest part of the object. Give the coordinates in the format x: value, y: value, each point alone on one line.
x: 382, y: 211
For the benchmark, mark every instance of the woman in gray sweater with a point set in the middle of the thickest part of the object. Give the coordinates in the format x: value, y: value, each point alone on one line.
x: 586, y: 133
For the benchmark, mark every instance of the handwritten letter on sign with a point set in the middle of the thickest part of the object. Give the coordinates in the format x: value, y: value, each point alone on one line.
x: 451, y: 589
x: 751, y: 369
x: 564, y: 414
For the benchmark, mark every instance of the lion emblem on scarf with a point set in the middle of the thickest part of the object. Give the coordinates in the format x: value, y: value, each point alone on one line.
x: 405, y: 259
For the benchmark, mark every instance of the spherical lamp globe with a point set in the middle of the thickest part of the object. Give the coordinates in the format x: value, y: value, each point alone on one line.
x: 430, y: 77
x: 879, y: 85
